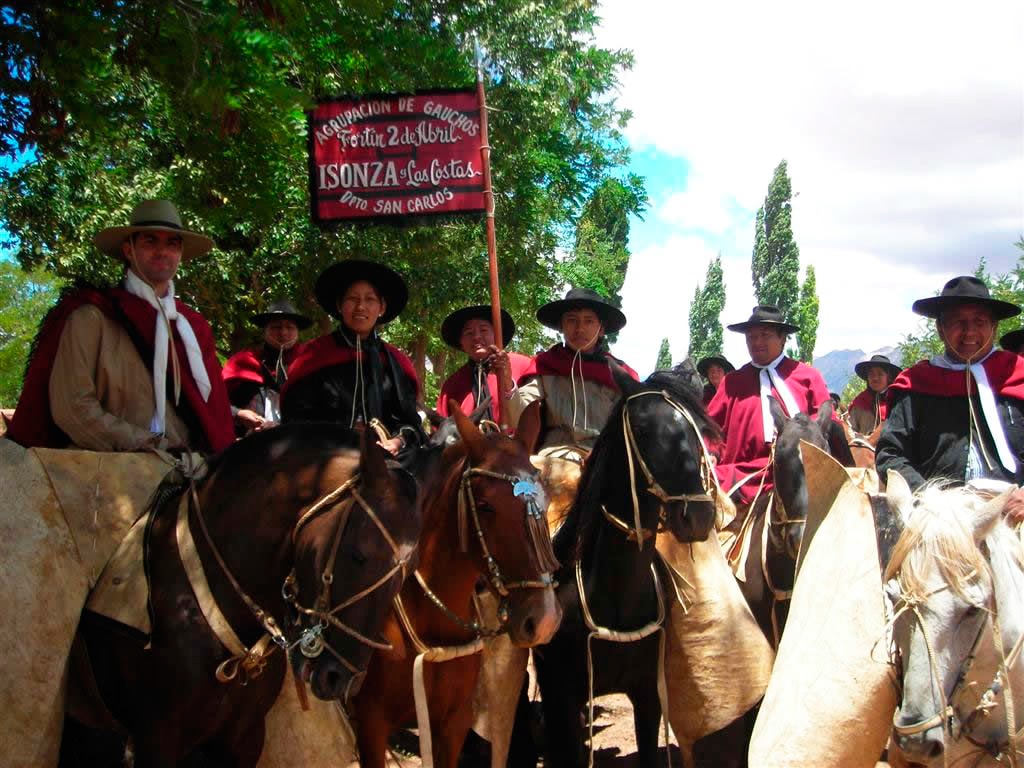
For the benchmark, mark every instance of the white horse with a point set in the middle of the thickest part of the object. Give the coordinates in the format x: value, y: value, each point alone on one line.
x: 956, y: 582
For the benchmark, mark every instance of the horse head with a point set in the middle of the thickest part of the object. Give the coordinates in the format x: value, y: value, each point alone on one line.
x: 502, y: 526
x: 790, y: 509
x: 353, y: 550
x: 669, y: 476
x: 955, y: 573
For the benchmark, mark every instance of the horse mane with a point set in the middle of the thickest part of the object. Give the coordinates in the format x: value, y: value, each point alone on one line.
x: 568, y: 541
x: 937, y: 534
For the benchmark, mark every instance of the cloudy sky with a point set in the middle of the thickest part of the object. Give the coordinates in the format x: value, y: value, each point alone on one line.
x: 903, y: 126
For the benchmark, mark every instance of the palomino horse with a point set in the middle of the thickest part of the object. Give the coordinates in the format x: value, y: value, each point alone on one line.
x: 649, y: 471
x: 955, y: 580
x: 776, y: 534
x: 483, y: 518
x: 280, y: 545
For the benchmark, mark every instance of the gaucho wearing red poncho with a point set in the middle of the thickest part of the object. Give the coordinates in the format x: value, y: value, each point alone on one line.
x: 928, y: 429
x: 736, y: 408
x: 209, y: 421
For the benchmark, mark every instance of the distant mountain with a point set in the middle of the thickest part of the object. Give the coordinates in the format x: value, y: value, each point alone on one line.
x: 837, y: 366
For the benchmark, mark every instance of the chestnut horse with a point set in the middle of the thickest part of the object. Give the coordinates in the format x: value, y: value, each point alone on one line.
x: 294, y: 549
x: 483, y: 521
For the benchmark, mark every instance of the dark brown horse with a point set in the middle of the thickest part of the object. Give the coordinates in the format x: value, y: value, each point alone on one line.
x: 295, y: 553
x: 483, y: 520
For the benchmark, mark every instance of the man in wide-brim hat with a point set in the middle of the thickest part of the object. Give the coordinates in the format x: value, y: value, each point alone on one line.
x: 741, y: 407
x: 130, y: 367
x: 573, y: 378
x: 713, y: 368
x: 489, y: 372
x: 869, y: 408
x: 254, y: 376
x: 351, y: 376
x: 959, y: 416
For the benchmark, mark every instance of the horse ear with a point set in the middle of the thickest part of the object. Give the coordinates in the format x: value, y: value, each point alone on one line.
x: 481, y: 409
x: 472, y: 437
x: 373, y: 466
x: 433, y: 417
x: 778, y: 415
x: 824, y: 417
x: 986, y: 518
x: 627, y: 384
x: 898, y: 492
x: 528, y: 429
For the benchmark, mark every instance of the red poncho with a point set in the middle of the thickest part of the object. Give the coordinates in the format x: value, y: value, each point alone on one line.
x: 324, y: 352
x: 459, y: 386
x: 736, y: 408
x: 247, y: 365
x: 33, y: 424
x: 558, y: 361
x: 1005, y: 371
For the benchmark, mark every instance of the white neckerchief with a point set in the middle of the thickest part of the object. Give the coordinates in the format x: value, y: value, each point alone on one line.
x: 770, y: 376
x: 988, y: 405
x: 167, y: 311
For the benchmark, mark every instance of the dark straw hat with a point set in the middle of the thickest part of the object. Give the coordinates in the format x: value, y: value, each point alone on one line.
x: 335, y: 280
x: 451, y: 328
x: 147, y: 216
x: 282, y: 309
x: 707, y: 362
x: 965, y: 289
x: 765, y: 314
x: 611, y: 316
x: 862, y: 368
x: 1013, y: 340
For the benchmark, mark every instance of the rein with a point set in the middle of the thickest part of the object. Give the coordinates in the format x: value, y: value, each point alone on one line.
x: 536, y: 523
x: 248, y: 663
x: 948, y: 714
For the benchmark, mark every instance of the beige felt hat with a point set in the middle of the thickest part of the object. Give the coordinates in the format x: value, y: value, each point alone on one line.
x: 152, y: 215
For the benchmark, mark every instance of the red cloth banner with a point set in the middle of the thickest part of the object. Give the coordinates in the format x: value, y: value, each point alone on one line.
x: 395, y: 156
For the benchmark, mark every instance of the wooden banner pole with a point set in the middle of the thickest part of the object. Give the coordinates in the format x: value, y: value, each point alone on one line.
x: 492, y: 244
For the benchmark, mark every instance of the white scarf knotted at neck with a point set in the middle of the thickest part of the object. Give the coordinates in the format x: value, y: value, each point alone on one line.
x: 988, y: 405
x: 166, y: 312
x: 770, y: 376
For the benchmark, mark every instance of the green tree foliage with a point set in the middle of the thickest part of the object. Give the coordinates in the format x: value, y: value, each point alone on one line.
x: 600, y: 255
x: 24, y: 300
x: 806, y: 316
x: 705, y: 312
x: 775, y: 263
x: 664, y: 356
x: 853, y: 388
x: 203, y: 103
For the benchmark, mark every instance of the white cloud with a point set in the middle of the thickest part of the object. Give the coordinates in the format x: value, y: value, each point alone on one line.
x: 903, y: 125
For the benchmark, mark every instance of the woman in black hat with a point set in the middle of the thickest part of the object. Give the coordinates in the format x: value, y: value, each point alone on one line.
x: 960, y: 415
x: 713, y: 368
x: 470, y: 329
x: 350, y: 375
x: 869, y: 408
x: 573, y: 378
x: 254, y: 376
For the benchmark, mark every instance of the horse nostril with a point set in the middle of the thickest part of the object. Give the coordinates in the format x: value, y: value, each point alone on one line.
x: 529, y: 627
x: 936, y: 748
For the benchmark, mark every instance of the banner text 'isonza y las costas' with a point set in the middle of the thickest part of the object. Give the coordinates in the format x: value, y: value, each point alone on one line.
x: 395, y: 156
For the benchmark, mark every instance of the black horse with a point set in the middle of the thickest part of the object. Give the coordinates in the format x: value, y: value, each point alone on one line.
x: 274, y: 519
x: 647, y: 472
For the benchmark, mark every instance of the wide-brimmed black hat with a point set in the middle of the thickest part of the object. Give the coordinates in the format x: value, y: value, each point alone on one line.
x: 707, y: 362
x: 862, y: 368
x: 765, y: 314
x: 451, y: 328
x: 147, y: 216
x: 965, y: 289
x: 582, y: 298
x: 1013, y: 340
x: 282, y: 309
x: 336, y: 279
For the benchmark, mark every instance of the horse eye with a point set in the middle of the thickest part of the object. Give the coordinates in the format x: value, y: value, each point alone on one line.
x: 973, y: 611
x: 359, y: 557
